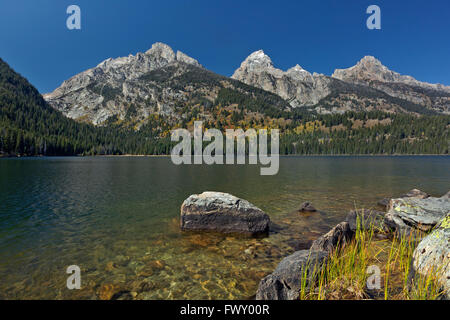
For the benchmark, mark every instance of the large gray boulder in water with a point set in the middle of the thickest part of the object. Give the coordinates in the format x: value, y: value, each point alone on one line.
x: 422, y: 214
x: 286, y: 281
x: 222, y: 212
x: 433, y: 255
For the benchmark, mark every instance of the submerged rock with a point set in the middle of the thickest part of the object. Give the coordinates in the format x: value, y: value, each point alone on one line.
x: 338, y: 236
x: 285, y: 282
x: 110, y: 266
x: 422, y: 214
x: 108, y: 291
x: 307, y: 207
x: 222, y: 212
x: 433, y: 255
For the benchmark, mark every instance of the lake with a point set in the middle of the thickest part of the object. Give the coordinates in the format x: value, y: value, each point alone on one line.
x: 117, y: 218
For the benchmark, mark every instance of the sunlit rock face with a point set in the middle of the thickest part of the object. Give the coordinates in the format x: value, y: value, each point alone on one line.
x: 370, y: 71
x: 109, y: 88
x: 154, y: 82
x: 296, y: 85
x: 369, y: 85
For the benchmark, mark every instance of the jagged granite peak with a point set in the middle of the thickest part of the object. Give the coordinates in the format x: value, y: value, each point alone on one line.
x: 124, y: 68
x: 370, y: 68
x: 256, y: 63
x: 296, y: 85
x: 88, y: 93
x: 159, y: 81
x: 299, y: 73
x: 369, y: 85
x: 371, y: 72
x: 163, y: 50
x: 258, y: 60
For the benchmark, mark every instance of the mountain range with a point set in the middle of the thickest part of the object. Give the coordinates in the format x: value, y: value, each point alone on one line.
x: 163, y: 82
x: 130, y: 105
x: 368, y: 85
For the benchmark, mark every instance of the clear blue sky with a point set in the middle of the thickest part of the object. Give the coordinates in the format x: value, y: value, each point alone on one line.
x: 318, y: 35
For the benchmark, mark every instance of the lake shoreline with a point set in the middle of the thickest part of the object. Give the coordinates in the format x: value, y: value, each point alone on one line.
x: 9, y: 156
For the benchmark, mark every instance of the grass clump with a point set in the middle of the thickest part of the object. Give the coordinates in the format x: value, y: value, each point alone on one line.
x: 349, y: 268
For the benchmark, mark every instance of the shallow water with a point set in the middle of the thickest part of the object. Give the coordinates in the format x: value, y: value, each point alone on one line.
x: 117, y: 218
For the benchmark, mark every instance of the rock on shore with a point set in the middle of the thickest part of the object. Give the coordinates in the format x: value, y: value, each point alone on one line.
x: 336, y: 237
x: 422, y: 214
x: 285, y: 282
x: 222, y: 212
x: 414, y: 193
x: 414, y: 210
x: 433, y: 254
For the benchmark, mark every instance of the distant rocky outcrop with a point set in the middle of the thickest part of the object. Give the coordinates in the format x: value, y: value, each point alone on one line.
x: 222, y: 212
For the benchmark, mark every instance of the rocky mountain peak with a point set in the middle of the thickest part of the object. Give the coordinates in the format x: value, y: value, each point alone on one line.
x: 142, y: 80
x: 257, y: 60
x: 161, y: 49
x: 89, y: 91
x: 369, y: 60
x: 257, y: 64
x: 125, y: 68
x: 372, y: 65
x: 295, y: 85
x: 297, y: 68
x: 297, y: 72
x: 370, y: 69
